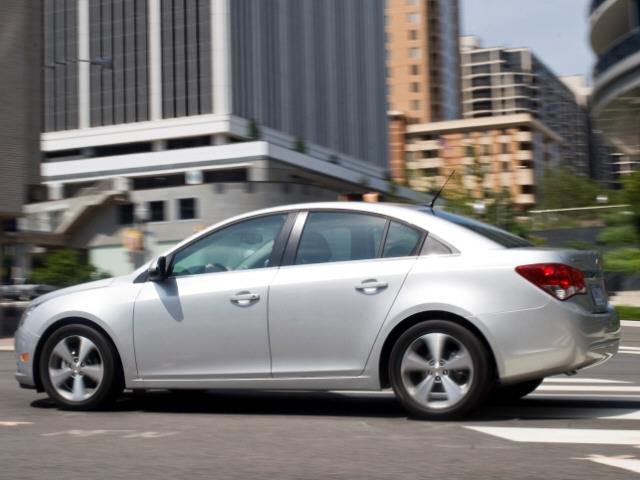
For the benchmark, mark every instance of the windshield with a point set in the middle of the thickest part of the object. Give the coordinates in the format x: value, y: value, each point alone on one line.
x: 497, y: 235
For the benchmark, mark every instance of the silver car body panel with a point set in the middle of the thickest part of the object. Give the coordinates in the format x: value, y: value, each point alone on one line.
x: 311, y: 328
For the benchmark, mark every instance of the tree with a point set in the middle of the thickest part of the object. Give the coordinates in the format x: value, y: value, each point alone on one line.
x: 63, y: 268
x: 254, y: 130
x: 299, y: 145
x: 563, y: 188
x: 631, y: 195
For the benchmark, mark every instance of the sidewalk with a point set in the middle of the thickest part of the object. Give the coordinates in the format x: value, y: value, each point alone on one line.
x: 6, y: 344
x: 628, y: 299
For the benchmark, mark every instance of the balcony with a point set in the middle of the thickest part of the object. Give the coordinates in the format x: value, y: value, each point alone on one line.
x: 621, y: 50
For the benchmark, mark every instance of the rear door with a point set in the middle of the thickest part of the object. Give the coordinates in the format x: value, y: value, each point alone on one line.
x: 326, y: 306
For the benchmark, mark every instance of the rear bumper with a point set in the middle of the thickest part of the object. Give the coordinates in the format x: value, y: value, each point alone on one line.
x: 560, y: 337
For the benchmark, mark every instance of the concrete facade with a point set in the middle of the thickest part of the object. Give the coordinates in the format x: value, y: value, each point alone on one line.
x: 19, y: 115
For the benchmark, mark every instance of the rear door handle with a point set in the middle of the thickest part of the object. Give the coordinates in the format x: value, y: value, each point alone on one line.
x: 371, y: 287
x: 244, y: 299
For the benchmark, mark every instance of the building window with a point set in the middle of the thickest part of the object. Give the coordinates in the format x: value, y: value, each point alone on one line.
x: 412, y: 2
x: 525, y: 146
x: 469, y: 151
x: 413, y: 17
x: 414, y: 53
x: 414, y: 69
x: 415, y: 105
x: 505, y: 148
x: 528, y: 189
x: 156, y: 211
x: 187, y: 209
x: 415, y: 87
x: 413, y: 35
x: 125, y: 214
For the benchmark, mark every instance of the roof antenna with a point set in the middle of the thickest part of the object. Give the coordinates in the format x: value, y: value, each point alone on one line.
x: 433, y: 200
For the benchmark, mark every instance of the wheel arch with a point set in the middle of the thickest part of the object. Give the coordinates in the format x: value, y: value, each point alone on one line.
x: 62, y: 322
x: 410, y: 321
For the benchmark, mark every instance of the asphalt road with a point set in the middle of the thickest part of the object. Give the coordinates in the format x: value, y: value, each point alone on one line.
x: 587, y: 426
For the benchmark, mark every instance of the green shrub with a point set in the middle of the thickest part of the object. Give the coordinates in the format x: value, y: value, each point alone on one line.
x: 578, y: 245
x: 628, y: 313
x: 625, y: 260
x: 63, y: 268
x: 619, y: 235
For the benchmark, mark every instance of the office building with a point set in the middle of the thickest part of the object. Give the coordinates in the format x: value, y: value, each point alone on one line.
x: 169, y: 115
x: 615, y: 39
x: 490, y: 155
x: 19, y: 124
x: 506, y: 81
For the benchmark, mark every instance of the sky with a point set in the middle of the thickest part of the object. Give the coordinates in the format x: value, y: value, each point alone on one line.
x: 556, y: 30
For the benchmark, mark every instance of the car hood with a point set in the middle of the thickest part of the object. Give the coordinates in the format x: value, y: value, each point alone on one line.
x: 76, y: 288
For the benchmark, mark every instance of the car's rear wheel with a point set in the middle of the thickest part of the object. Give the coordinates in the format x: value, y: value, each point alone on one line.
x: 515, y: 391
x: 439, y: 370
x: 78, y: 368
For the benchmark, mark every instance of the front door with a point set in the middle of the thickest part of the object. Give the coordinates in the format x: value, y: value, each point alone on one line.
x: 209, y: 318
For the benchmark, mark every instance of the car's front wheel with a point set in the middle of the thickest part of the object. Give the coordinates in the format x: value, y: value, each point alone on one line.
x: 78, y: 368
x: 439, y: 370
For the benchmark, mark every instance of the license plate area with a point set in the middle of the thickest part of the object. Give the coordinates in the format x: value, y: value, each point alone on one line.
x: 599, y: 296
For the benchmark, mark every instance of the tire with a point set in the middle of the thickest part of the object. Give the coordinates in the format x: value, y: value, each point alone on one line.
x: 514, y: 392
x: 78, y: 368
x: 439, y: 370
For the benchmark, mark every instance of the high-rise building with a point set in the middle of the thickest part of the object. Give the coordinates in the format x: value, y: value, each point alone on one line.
x: 19, y: 121
x: 615, y: 39
x: 423, y: 68
x: 506, y: 81
x: 490, y: 155
x: 193, y: 110
x: 423, y: 74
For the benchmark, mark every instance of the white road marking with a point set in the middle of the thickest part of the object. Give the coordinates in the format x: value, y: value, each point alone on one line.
x: 587, y: 388
x: 626, y: 462
x: 563, y: 435
x: 628, y: 352
x: 6, y: 348
x: 629, y: 347
x: 630, y: 323
x: 586, y: 397
x: 14, y: 424
x: 120, y: 433
x: 581, y: 380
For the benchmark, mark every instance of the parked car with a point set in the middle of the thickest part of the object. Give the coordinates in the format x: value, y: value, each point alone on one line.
x: 329, y: 296
x: 24, y: 292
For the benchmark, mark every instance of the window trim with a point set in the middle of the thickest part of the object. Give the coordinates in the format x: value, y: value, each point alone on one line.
x: 278, y: 247
x: 291, y: 250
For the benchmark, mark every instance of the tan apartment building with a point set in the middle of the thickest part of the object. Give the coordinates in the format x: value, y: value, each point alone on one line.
x: 423, y: 66
x: 489, y: 155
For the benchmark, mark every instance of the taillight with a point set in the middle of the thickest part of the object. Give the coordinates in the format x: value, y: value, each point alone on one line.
x: 561, y: 281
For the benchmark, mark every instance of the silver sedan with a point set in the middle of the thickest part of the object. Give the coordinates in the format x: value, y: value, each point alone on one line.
x: 334, y: 296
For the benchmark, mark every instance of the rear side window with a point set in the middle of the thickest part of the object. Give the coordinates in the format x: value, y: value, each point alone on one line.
x: 339, y: 237
x: 402, y: 241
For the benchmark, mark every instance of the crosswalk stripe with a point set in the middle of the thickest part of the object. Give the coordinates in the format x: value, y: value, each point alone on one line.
x: 587, y: 388
x: 563, y: 435
x: 629, y: 347
x: 581, y: 380
x: 625, y: 462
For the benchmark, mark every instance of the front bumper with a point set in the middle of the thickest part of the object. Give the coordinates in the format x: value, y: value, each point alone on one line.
x: 25, y: 342
x: 560, y: 337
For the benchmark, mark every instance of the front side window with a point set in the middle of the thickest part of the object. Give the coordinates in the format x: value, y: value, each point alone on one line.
x: 339, y: 237
x: 242, y: 246
x: 402, y: 241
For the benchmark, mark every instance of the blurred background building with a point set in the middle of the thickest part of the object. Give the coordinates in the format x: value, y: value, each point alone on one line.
x: 615, y: 38
x: 19, y: 125
x: 161, y: 116
x: 423, y: 67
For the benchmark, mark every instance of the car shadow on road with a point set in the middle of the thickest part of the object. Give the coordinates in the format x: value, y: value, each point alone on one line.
x: 334, y: 404
x: 253, y: 403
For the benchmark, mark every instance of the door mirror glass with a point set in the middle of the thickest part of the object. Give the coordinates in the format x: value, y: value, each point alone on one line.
x: 158, y: 269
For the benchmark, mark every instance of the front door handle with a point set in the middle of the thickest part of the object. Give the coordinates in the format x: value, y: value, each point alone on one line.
x: 371, y: 287
x: 244, y: 299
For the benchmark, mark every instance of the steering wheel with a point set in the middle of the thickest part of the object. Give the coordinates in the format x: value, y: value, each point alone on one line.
x: 215, y: 267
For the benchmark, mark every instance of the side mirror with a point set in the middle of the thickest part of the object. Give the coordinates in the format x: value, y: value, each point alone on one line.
x: 158, y: 269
